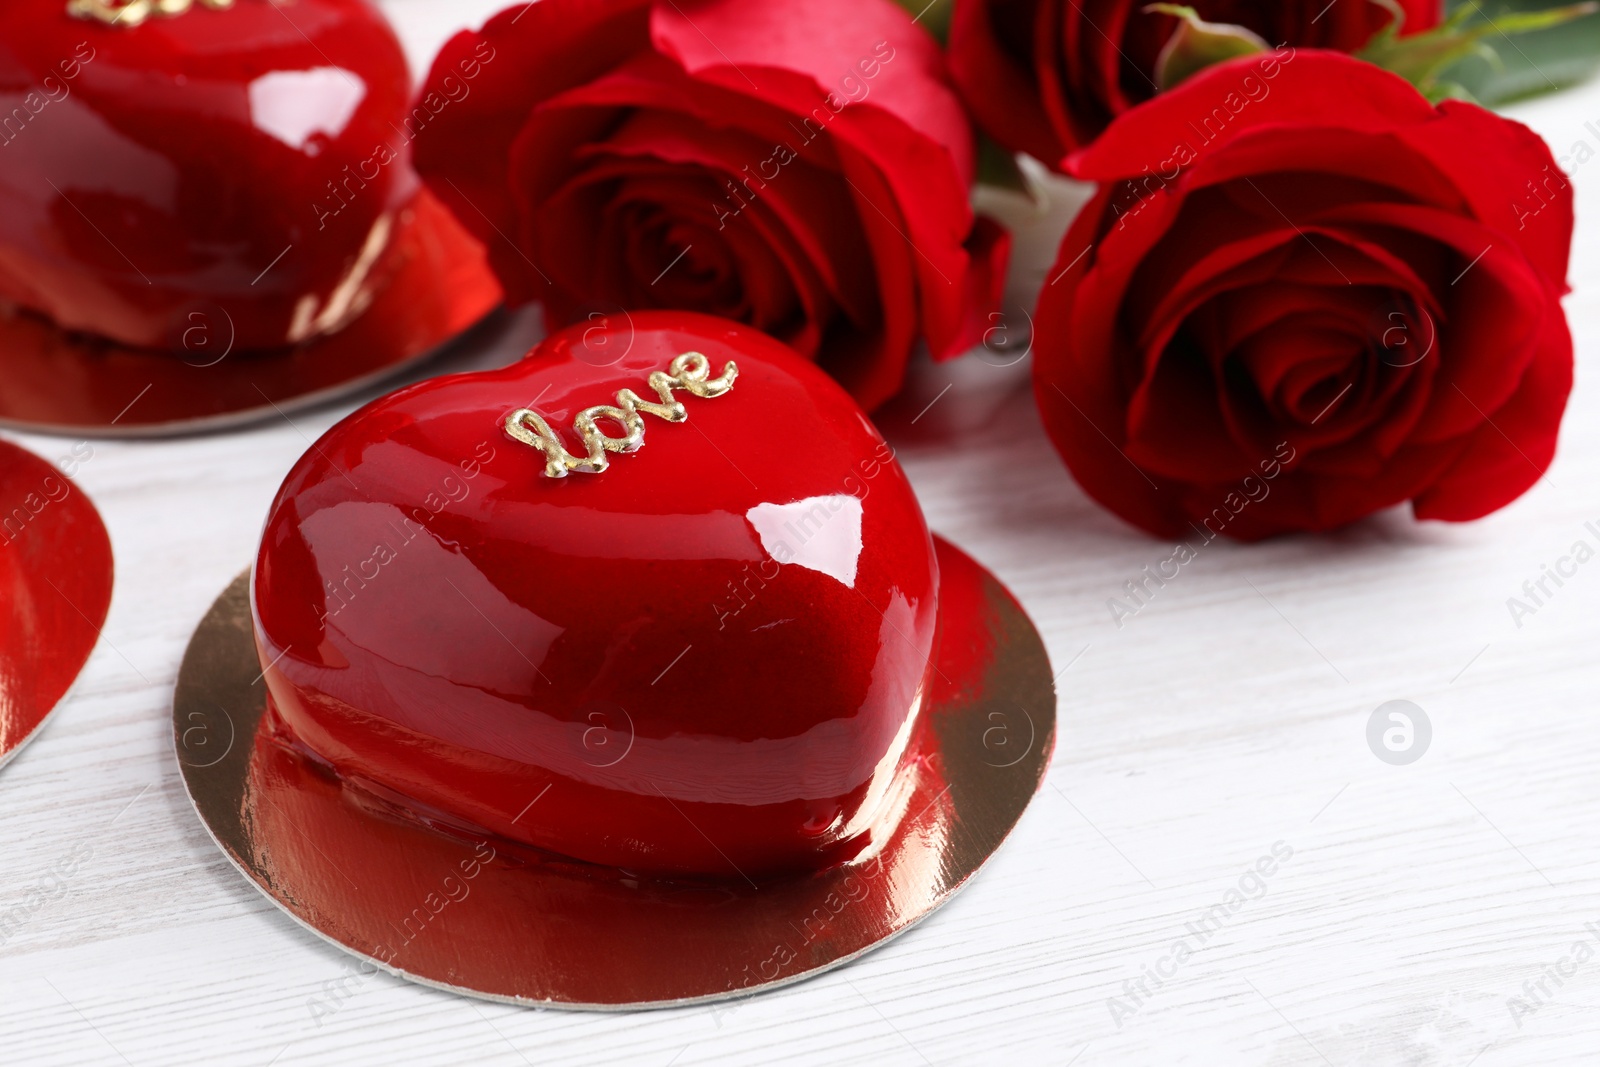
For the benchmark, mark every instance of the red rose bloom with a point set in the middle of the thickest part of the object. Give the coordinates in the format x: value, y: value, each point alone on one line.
x: 1046, y: 76
x: 1303, y: 294
x: 799, y: 165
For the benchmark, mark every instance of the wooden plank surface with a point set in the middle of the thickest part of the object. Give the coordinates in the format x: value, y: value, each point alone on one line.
x: 1409, y: 912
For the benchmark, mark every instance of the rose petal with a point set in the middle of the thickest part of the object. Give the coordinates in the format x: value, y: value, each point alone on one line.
x: 811, y: 203
x: 1309, y: 89
x: 1302, y: 500
x: 1078, y: 387
x: 1514, y: 446
x: 988, y: 254
x: 1495, y: 313
x: 912, y: 130
x: 1293, y: 171
x: 1494, y: 161
x: 874, y: 378
x: 523, y: 54
x: 1175, y: 428
x: 836, y: 40
x: 997, y: 85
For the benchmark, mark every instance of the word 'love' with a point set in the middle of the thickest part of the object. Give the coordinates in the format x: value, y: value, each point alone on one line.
x: 689, y: 372
x: 133, y: 12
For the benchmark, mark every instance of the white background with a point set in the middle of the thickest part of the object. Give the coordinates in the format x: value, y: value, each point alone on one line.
x: 1228, y: 716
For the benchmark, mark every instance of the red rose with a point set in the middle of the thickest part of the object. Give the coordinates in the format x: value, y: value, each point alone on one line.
x: 1303, y: 294
x: 1046, y: 76
x: 799, y: 165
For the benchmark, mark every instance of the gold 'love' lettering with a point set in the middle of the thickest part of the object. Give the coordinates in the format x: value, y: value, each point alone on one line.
x: 133, y: 12
x: 689, y: 372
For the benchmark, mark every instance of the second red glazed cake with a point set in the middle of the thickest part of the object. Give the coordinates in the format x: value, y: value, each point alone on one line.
x: 706, y: 658
x: 248, y: 160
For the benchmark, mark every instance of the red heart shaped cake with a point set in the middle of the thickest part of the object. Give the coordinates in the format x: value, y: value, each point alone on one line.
x: 251, y: 157
x: 673, y: 613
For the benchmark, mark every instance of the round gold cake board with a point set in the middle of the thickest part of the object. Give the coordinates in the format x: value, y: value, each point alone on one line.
x: 56, y: 575
x: 494, y: 919
x: 59, y: 383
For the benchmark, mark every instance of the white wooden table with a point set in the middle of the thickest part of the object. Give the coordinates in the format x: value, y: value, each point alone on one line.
x: 1419, y: 911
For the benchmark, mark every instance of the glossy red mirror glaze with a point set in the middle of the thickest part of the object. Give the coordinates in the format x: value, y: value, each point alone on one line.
x: 248, y: 160
x: 707, y: 659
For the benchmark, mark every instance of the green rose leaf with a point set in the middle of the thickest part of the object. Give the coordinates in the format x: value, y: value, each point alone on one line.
x: 1537, y: 61
x: 998, y: 167
x: 1469, y: 36
x: 931, y: 15
x: 1198, y: 44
